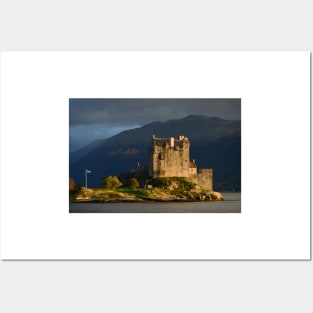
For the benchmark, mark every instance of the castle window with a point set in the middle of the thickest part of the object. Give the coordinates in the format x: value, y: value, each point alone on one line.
x: 161, y: 156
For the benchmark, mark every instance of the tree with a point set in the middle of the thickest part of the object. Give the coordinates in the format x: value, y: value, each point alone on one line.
x: 133, y: 183
x: 74, y: 189
x: 71, y: 184
x: 111, y: 182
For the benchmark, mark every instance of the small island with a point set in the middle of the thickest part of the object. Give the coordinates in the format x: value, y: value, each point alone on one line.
x: 175, y: 189
x: 170, y: 177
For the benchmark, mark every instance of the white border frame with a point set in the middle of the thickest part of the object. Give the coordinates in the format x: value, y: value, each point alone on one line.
x: 275, y: 93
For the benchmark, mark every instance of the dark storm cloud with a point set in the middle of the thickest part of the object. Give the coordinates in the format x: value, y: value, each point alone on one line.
x: 142, y: 111
x: 92, y: 119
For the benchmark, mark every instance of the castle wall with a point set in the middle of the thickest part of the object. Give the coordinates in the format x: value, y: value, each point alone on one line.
x: 169, y: 157
x: 204, y: 179
x: 192, y: 171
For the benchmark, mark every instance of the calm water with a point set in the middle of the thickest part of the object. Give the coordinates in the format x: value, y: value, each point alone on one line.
x: 231, y: 204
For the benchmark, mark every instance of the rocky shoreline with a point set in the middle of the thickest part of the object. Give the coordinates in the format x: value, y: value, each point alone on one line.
x: 211, y: 196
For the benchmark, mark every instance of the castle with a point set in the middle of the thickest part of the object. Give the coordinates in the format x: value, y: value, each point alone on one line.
x: 169, y: 157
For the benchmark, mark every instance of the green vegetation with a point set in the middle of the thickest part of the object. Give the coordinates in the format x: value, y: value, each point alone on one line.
x: 111, y: 182
x: 133, y: 183
x: 173, y: 183
x: 74, y: 189
x: 164, y: 189
x: 141, y: 194
x: 131, y: 191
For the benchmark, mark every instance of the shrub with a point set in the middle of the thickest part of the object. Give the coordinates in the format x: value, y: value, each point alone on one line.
x: 74, y: 189
x: 71, y: 184
x: 133, y: 183
x: 111, y: 182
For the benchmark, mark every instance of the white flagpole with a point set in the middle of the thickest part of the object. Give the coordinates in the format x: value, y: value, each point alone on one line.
x: 86, y: 178
x: 86, y: 172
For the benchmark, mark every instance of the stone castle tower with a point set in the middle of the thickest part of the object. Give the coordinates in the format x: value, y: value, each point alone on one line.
x: 170, y: 157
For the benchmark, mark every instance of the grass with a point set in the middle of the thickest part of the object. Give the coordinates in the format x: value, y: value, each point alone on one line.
x: 131, y: 191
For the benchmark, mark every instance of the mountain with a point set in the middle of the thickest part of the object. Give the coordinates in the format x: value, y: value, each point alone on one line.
x: 214, y: 142
x: 195, y: 127
x: 77, y: 155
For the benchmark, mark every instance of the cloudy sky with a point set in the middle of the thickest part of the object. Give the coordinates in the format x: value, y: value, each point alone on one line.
x: 92, y: 119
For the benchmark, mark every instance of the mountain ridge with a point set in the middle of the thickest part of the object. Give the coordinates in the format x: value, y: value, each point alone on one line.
x: 215, y: 142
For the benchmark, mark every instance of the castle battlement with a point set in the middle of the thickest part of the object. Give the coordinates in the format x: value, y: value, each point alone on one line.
x: 170, y: 157
x: 180, y: 142
x: 205, y: 170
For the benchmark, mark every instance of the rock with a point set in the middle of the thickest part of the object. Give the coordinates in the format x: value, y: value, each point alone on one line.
x: 214, y: 195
